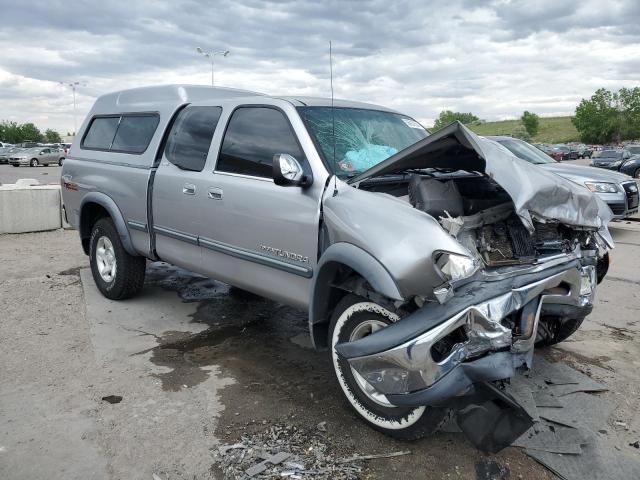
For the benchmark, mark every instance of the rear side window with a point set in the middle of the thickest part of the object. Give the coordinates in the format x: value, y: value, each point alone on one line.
x: 100, y: 133
x: 190, y: 138
x: 135, y: 133
x: 128, y: 133
x: 254, y: 135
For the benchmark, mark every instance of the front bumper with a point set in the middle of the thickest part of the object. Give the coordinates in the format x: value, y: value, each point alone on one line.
x: 21, y: 161
x: 488, y: 313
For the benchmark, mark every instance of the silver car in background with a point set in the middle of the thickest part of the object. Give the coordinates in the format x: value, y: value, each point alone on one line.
x: 34, y: 157
x: 619, y: 191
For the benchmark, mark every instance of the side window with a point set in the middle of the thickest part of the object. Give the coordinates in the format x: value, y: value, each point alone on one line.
x: 100, y: 133
x: 134, y: 133
x: 190, y: 138
x: 254, y: 135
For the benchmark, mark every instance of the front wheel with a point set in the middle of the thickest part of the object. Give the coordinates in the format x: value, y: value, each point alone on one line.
x: 353, y: 318
x: 636, y: 174
x: 60, y: 161
x: 117, y: 274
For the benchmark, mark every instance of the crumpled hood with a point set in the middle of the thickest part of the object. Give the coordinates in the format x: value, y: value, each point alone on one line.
x: 582, y: 173
x: 536, y: 192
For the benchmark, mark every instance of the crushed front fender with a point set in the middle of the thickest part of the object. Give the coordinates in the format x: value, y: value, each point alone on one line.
x: 494, y: 324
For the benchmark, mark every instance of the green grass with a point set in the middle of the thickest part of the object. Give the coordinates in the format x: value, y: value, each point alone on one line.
x: 551, y: 130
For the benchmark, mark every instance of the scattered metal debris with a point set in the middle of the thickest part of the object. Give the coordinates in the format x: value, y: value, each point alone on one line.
x: 286, y: 451
x: 355, y: 458
x: 112, y: 398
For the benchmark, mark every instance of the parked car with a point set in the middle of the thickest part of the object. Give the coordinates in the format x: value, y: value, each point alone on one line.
x: 568, y: 153
x: 621, y: 160
x: 34, y: 157
x: 633, y: 149
x: 583, y: 150
x: 427, y: 263
x: 4, y: 155
x: 618, y: 191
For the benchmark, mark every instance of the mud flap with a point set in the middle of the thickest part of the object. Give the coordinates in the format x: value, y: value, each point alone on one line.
x: 491, y: 419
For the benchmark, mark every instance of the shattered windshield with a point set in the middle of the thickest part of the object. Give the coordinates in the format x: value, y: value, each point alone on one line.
x: 363, y: 138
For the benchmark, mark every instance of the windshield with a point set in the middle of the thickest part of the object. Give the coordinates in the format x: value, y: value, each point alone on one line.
x: 634, y: 149
x: 363, y: 138
x: 526, y: 152
x: 611, y: 154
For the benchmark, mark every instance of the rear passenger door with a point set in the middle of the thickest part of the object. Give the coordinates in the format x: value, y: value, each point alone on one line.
x: 179, y: 186
x: 255, y: 234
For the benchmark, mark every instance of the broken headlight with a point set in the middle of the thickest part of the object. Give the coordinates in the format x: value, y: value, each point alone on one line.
x: 601, y: 187
x: 454, y: 266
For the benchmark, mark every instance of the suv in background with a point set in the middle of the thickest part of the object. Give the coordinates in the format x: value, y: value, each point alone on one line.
x: 618, y: 191
x: 426, y: 263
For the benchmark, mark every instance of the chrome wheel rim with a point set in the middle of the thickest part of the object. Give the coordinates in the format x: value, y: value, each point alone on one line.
x: 106, y: 259
x: 362, y: 330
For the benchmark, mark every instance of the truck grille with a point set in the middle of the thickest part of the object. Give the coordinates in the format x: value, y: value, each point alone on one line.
x: 631, y: 189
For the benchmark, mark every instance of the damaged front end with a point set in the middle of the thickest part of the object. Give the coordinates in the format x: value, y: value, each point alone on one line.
x: 521, y: 246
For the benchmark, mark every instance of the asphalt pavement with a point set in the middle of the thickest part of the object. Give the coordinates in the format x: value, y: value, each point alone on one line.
x: 44, y: 174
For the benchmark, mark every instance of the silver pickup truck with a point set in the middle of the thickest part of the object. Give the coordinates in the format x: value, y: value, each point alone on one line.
x: 428, y: 264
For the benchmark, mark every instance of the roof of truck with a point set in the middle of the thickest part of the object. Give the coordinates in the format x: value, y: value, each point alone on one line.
x: 152, y: 98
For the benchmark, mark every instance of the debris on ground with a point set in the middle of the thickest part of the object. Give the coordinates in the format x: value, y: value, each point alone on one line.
x: 287, y: 451
x: 112, y: 398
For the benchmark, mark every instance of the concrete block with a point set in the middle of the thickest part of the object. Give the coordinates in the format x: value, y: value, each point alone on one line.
x: 28, y: 208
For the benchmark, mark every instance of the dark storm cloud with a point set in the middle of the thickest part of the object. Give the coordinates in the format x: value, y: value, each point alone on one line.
x: 488, y: 57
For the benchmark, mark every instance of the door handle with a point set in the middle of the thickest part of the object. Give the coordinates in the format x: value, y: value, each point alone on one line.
x: 215, y: 193
x: 189, y: 189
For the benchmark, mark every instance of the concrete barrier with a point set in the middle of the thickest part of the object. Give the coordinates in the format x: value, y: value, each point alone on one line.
x: 29, y: 207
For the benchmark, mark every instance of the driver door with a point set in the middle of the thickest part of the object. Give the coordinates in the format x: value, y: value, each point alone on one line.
x: 255, y: 234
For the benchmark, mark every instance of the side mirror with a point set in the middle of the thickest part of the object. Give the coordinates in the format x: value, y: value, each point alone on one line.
x: 288, y: 172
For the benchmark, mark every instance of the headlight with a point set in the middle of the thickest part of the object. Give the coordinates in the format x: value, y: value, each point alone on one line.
x: 617, y: 163
x: 601, y: 187
x: 454, y: 266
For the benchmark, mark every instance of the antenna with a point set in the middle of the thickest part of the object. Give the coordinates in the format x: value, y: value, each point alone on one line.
x: 333, y: 123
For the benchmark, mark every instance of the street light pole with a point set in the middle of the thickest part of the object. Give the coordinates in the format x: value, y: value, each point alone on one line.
x: 211, y: 56
x: 73, y: 86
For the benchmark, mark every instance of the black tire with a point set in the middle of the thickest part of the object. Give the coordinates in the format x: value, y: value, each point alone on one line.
x: 553, y: 330
x: 128, y: 278
x: 34, y: 162
x: 15, y: 165
x: 60, y: 162
x: 406, y: 423
x: 636, y: 174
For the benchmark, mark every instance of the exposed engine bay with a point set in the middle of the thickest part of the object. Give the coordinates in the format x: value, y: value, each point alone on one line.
x: 481, y: 216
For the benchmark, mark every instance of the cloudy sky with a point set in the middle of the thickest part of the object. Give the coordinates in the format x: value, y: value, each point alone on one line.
x: 494, y: 58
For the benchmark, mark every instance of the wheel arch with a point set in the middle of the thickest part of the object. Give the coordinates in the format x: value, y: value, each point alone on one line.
x: 326, y: 293
x: 96, y: 205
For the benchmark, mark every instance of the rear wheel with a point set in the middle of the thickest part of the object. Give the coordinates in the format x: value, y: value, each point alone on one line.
x: 60, y: 161
x: 353, y: 318
x: 33, y: 162
x: 117, y: 274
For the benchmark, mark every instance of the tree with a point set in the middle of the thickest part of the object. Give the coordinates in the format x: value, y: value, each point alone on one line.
x: 522, y: 133
x: 447, y: 117
x: 11, y: 132
x: 51, y: 136
x: 30, y: 132
x: 609, y: 116
x: 531, y: 122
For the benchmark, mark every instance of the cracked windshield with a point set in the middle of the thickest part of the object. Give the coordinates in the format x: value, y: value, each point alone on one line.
x: 363, y: 138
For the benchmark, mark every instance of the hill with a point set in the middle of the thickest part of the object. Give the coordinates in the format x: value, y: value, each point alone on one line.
x: 551, y: 130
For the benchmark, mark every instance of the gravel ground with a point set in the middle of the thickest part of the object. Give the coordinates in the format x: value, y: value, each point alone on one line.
x: 199, y: 365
